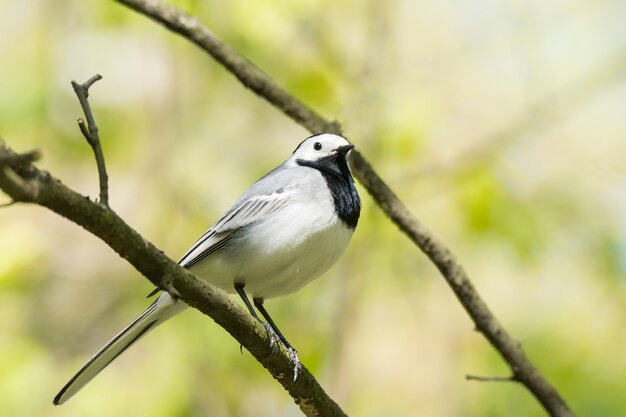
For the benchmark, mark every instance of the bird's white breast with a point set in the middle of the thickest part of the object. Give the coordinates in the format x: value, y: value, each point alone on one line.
x: 282, y: 253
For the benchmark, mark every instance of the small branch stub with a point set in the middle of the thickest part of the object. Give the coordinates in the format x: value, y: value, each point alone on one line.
x: 90, y: 131
x: 18, y: 159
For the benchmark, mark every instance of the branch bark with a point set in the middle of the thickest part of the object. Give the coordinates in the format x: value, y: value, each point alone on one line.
x: 23, y: 182
x: 523, y: 370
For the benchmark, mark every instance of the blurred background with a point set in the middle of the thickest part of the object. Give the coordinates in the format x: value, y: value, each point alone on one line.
x: 500, y: 124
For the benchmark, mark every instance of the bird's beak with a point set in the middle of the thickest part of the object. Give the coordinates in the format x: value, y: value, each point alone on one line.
x: 342, y: 150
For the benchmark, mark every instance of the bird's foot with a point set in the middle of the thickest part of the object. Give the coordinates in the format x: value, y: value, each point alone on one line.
x: 272, y: 335
x: 275, y: 339
x: 293, y: 358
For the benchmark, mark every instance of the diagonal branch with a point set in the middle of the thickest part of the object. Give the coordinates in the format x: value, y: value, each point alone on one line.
x: 253, y: 78
x: 90, y: 132
x: 249, y: 74
x: 25, y: 183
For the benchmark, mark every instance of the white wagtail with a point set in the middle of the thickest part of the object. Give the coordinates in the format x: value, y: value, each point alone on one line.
x: 288, y: 228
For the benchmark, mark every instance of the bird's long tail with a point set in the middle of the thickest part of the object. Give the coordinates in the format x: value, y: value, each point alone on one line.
x: 162, y: 309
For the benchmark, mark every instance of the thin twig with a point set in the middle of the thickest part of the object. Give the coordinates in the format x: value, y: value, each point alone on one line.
x: 253, y: 78
x: 491, y: 378
x: 91, y: 134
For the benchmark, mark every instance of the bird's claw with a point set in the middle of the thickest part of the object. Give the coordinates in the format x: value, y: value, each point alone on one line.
x: 293, y: 355
x: 272, y: 335
x: 293, y: 358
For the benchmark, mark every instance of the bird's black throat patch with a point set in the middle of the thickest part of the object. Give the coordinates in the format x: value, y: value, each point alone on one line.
x: 334, y: 169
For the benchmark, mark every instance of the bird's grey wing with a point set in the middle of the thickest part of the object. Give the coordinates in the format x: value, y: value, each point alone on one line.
x: 261, y: 199
x: 243, y: 213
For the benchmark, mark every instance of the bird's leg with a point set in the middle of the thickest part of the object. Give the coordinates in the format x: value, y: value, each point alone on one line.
x: 258, y: 303
x: 293, y: 355
x: 239, y: 288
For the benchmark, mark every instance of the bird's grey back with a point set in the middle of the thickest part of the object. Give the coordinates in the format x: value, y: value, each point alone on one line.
x: 277, y: 181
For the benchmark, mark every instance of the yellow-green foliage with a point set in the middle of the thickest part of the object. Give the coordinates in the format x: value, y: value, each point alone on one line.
x: 429, y: 92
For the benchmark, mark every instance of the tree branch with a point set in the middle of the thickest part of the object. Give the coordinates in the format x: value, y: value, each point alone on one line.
x: 253, y: 78
x: 25, y: 183
x: 249, y: 74
x: 91, y: 134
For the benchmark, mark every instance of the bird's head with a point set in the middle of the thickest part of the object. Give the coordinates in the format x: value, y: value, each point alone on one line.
x: 324, y: 151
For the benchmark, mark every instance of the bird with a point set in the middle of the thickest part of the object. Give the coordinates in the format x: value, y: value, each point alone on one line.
x: 287, y: 229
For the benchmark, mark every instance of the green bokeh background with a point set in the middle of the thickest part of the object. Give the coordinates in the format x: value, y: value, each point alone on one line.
x: 500, y: 124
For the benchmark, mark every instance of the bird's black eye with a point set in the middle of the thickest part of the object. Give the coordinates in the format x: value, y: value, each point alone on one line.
x: 317, y: 146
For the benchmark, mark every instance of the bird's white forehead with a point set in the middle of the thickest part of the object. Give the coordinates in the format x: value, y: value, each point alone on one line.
x: 328, y: 141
